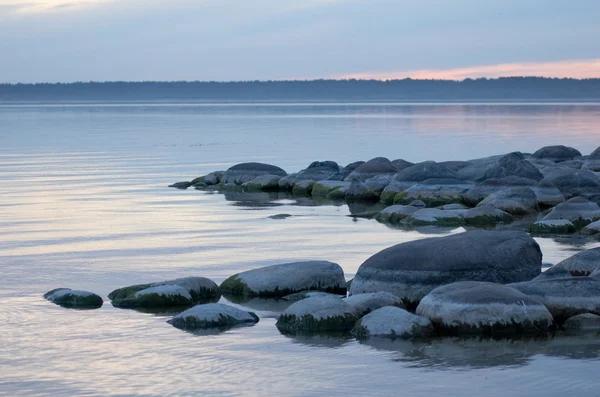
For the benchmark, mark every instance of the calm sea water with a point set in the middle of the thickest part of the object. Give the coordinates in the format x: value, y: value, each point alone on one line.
x: 84, y: 204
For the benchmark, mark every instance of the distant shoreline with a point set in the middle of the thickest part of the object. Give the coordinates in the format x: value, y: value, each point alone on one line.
x: 507, y: 89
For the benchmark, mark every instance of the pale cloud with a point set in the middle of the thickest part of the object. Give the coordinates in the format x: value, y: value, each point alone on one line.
x: 28, y: 6
x: 573, y: 68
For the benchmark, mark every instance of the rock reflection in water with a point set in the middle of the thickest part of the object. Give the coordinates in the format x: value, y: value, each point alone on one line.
x: 329, y: 340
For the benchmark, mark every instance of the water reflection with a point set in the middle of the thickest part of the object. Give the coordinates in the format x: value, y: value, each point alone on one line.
x: 330, y: 340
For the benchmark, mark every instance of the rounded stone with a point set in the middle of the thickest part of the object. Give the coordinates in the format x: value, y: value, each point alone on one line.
x: 578, y: 210
x: 557, y: 153
x: 75, y: 299
x: 212, y: 315
x: 581, y: 264
x: 392, y: 322
x: 395, y: 213
x: 317, y: 314
x: 486, y: 215
x: 245, y: 172
x: 411, y: 270
x: 583, y: 322
x: 435, y: 216
x: 472, y: 307
x: 366, y: 303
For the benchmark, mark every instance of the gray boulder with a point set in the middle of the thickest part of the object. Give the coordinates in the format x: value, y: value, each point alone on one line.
x: 344, y: 172
x: 373, y: 167
x: 245, y: 172
x: 583, y: 263
x: 212, y: 315
x: 586, y: 322
x: 317, y: 171
x: 595, y: 155
x: 75, y: 299
x: 572, y: 183
x: 263, y: 182
x: 358, y: 191
x: 401, y: 164
x: 303, y: 188
x: 411, y: 270
x: 434, y: 192
x: 486, y: 215
x: 178, y: 292
x: 395, y: 213
x: 331, y: 189
x: 472, y: 307
x: 564, y: 297
x: 591, y: 229
x: 298, y: 296
x: 487, y: 187
x: 392, y: 322
x: 547, y: 195
x: 377, y: 183
x: 435, y: 216
x: 423, y: 171
x: 512, y: 164
x: 394, y: 188
x: 366, y: 303
x: 317, y: 314
x: 556, y: 153
x: 555, y: 226
x: 578, y: 210
x: 552, y: 273
x: 288, y: 278
x: 514, y: 200
x: 213, y: 178
x: 181, y: 185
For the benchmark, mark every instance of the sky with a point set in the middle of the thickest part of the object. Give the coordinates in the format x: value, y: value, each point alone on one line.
x: 231, y: 40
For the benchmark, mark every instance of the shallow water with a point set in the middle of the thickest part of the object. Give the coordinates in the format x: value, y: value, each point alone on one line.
x: 84, y: 204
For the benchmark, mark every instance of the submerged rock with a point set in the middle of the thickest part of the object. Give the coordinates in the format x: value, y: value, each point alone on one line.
x: 244, y: 172
x: 411, y: 270
x: 75, y: 299
x: 317, y: 314
x: 392, y: 322
x: 366, y: 303
x: 288, y: 278
x: 178, y: 292
x: 583, y: 263
x: 472, y: 307
x: 212, y: 315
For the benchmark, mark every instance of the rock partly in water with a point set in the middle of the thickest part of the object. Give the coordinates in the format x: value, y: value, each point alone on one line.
x: 373, y: 167
x: 583, y: 263
x: 280, y: 216
x: 244, y: 172
x: 317, y: 314
x: 411, y: 270
x: 578, y: 210
x: 556, y: 226
x: 591, y: 229
x: 288, y: 278
x: 330, y: 189
x: 565, y: 297
x: 74, y: 299
x: 212, y: 315
x: 515, y: 201
x: 586, y: 322
x: 486, y: 215
x: 481, y: 308
x: 392, y: 322
x: 214, y: 178
x: 395, y: 213
x: 484, y: 188
x: 435, y: 216
x: 303, y: 188
x: 263, y: 182
x: 547, y: 194
x: 178, y: 292
x: 434, y: 192
x: 366, y: 303
x: 358, y: 191
x: 344, y: 172
x: 298, y: 296
x: 181, y: 185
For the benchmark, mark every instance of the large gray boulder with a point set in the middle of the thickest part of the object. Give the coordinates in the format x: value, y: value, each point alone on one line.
x: 423, y: 171
x: 245, y: 172
x: 583, y: 263
x: 486, y: 215
x: 577, y: 210
x: 591, y: 229
x: 556, y: 153
x: 547, y: 194
x: 586, y: 322
x: 347, y: 170
x: 212, y: 315
x: 514, y: 200
x: 554, y: 227
x: 285, y: 279
x: 366, y: 303
x: 75, y: 299
x: 401, y: 164
x: 572, y: 182
x: 373, y: 167
x: 317, y: 171
x: 564, y: 297
x: 395, y: 213
x: 436, y: 217
x: 512, y: 164
x: 317, y: 314
x: 178, y: 292
x: 411, y: 270
x: 434, y: 192
x: 213, y: 178
x: 472, y: 307
x: 263, y: 182
x: 330, y: 188
x: 392, y: 322
x: 487, y: 187
x: 358, y: 191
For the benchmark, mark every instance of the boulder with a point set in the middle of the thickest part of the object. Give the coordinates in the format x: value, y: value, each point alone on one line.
x: 330, y: 189
x: 482, y: 308
x: 185, y: 291
x: 392, y: 322
x: 378, y: 183
x: 555, y: 226
x: 586, y: 322
x: 287, y: 182
x: 358, y: 191
x: 344, y: 172
x: 547, y: 195
x: 418, y: 204
x: 212, y: 315
x: 288, y: 278
x: 583, y: 263
x: 75, y: 299
x: 564, y: 297
x: 317, y: 314
x: 595, y: 155
x: 435, y: 216
x: 366, y: 303
x: 308, y: 294
x: 552, y: 273
x: 484, y: 188
x: 373, y: 167
x: 213, y: 178
x: 514, y: 200
x: 423, y: 171
x: 434, y: 192
x: 578, y: 210
x: 572, y: 182
x: 556, y: 153
x: 245, y: 172
x: 263, y: 182
x: 512, y: 164
x: 411, y: 270
x: 592, y: 228
x: 181, y: 185
x: 401, y: 164
x: 486, y: 215
x: 317, y: 171
x: 395, y: 213
x: 395, y: 187
x: 303, y: 188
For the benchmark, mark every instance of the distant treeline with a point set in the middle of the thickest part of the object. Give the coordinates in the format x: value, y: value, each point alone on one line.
x: 506, y: 88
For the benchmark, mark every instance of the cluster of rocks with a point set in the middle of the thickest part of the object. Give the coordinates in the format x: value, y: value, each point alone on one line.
x: 555, y: 190
x: 484, y: 283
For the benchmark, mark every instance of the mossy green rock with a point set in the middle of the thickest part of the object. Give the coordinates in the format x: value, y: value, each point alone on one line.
x: 75, y: 299
x: 316, y: 315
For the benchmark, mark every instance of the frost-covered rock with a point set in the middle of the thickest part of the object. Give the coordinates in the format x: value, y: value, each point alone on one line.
x: 212, y: 315
x: 393, y: 322
x: 288, y: 278
x: 244, y: 172
x: 473, y: 307
x: 75, y: 299
x: 263, y: 182
x: 366, y: 303
x: 411, y: 270
x: 317, y: 314
x: 578, y: 210
x: 395, y: 213
x: 178, y: 292
x: 486, y: 215
x: 583, y: 263
x: 556, y: 226
x: 564, y: 297
x: 435, y: 216
x: 586, y: 322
